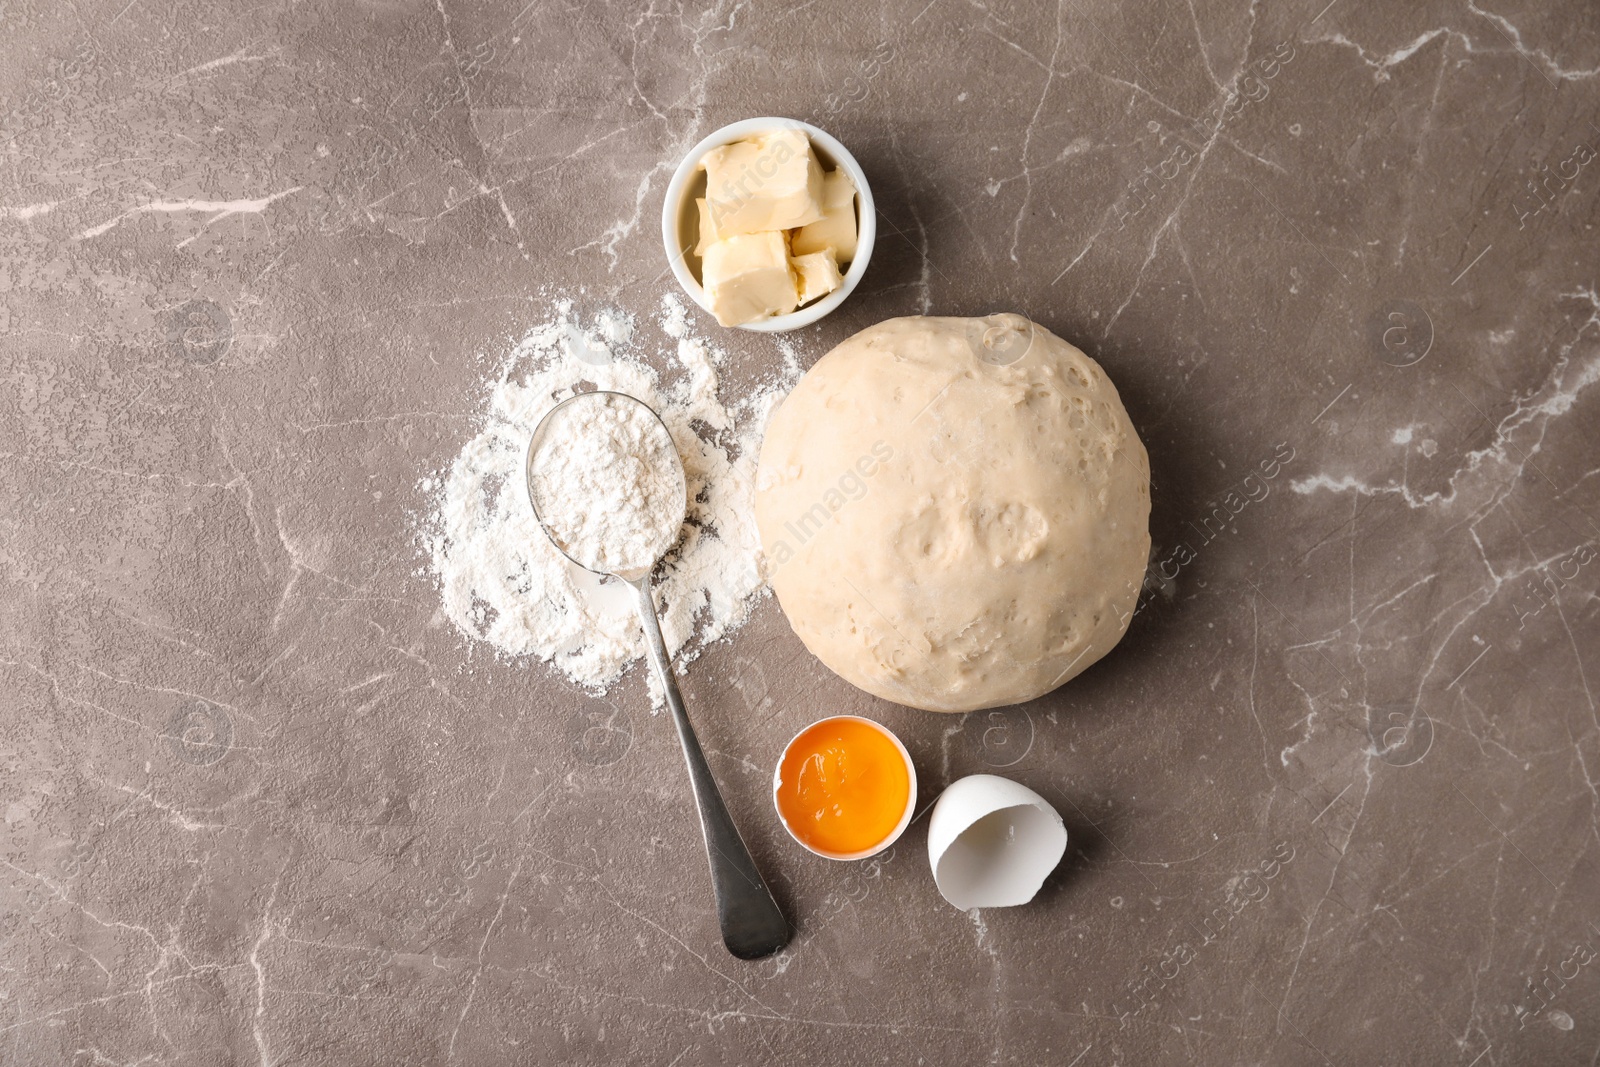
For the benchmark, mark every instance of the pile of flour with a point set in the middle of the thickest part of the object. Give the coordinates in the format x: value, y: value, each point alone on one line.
x: 501, y: 580
x: 607, y: 483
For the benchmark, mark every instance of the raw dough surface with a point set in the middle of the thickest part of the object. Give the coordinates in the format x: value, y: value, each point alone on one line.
x: 955, y: 512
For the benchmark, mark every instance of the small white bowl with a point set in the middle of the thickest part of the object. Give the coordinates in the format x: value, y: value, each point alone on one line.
x: 688, y: 182
x: 905, y: 816
x: 992, y: 842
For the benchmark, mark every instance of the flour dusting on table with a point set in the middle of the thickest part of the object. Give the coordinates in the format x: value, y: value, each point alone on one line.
x: 501, y: 580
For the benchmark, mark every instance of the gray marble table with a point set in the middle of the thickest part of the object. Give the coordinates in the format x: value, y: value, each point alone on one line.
x: 1334, y: 800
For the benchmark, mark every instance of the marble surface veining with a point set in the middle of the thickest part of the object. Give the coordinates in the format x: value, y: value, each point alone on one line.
x: 1334, y: 799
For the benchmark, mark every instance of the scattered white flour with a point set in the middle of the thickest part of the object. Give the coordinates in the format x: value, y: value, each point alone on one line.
x: 608, y: 483
x: 502, y: 581
x: 675, y: 318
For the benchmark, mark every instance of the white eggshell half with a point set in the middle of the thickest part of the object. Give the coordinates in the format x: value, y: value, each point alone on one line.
x: 992, y: 842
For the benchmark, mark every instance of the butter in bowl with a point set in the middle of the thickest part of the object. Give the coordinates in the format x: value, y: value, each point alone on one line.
x: 768, y: 224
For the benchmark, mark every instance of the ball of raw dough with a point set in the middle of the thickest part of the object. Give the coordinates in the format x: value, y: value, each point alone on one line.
x: 955, y: 512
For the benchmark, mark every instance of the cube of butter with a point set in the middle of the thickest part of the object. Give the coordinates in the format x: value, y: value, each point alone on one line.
x: 748, y: 277
x: 837, y: 228
x: 708, y: 228
x: 816, y: 274
x: 771, y: 181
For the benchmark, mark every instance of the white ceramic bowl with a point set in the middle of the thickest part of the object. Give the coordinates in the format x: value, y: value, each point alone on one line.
x: 992, y: 842
x: 905, y: 816
x: 688, y: 182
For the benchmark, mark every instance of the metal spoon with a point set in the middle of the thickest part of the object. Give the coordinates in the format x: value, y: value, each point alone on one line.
x: 752, y: 925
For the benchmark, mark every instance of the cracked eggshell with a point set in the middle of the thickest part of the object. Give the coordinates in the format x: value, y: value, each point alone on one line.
x: 992, y: 842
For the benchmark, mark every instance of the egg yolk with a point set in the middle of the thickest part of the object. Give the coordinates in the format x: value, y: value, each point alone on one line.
x: 843, y: 786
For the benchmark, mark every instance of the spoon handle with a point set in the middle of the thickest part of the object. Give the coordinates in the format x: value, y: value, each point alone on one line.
x: 752, y: 925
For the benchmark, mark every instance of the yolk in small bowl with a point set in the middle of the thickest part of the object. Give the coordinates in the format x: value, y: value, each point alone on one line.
x: 843, y: 786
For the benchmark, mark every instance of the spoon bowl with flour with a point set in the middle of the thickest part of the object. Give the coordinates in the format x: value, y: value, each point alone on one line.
x: 608, y: 488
